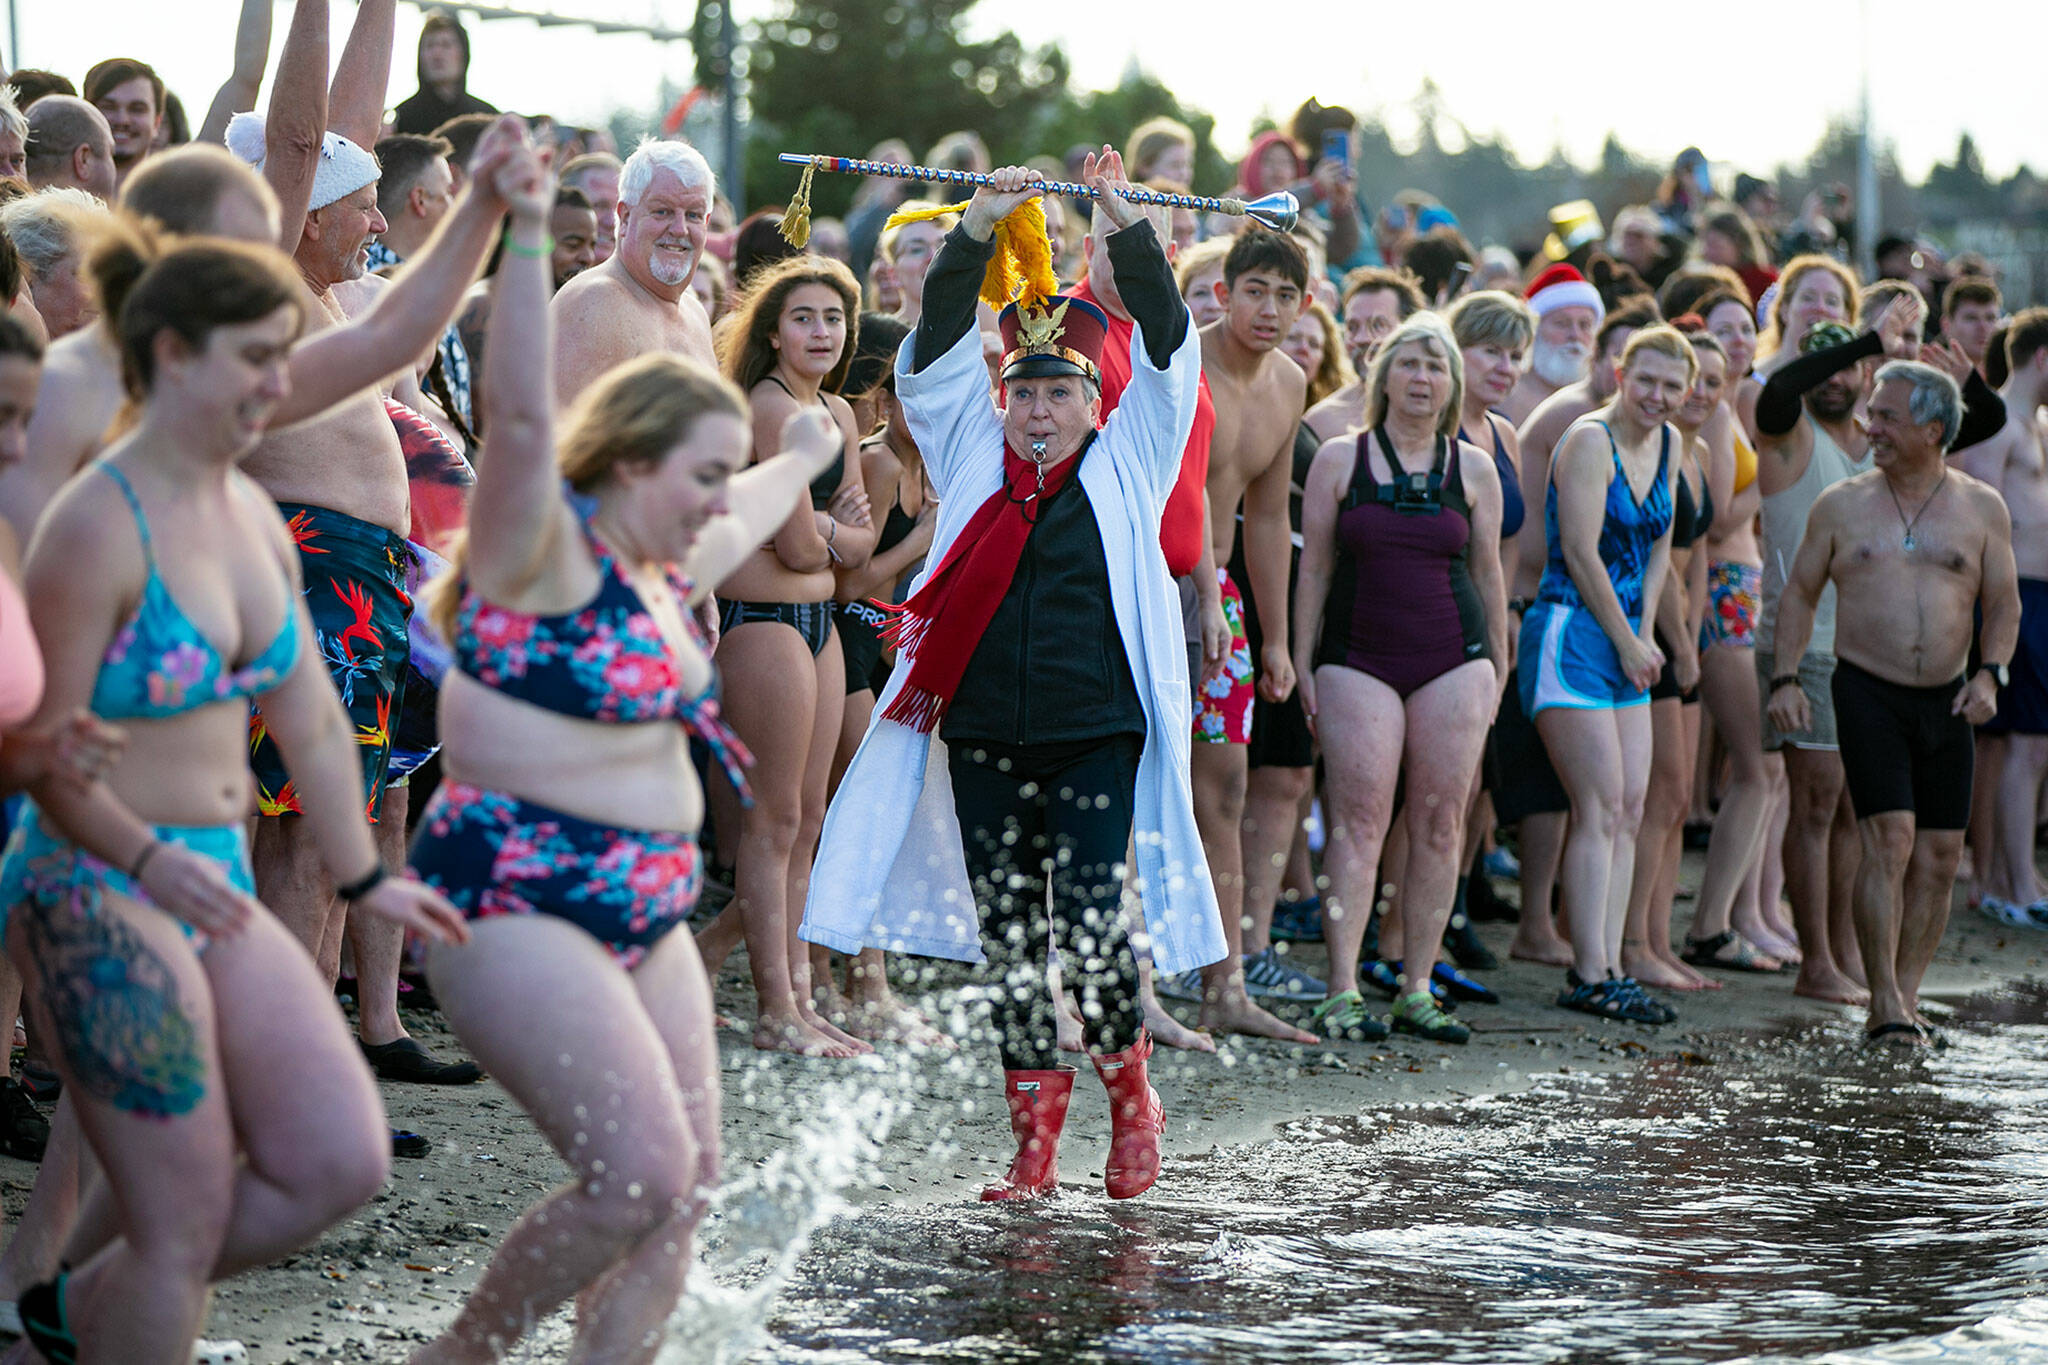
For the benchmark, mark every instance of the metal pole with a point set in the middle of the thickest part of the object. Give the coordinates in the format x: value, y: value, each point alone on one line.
x: 1866, y: 171
x: 735, y: 173
x: 13, y: 35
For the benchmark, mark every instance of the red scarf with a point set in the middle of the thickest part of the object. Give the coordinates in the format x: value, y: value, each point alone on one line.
x: 940, y: 624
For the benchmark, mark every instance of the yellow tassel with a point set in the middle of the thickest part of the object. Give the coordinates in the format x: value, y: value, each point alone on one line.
x: 796, y: 219
x: 1021, y: 269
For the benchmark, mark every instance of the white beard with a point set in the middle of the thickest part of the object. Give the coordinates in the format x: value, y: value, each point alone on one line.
x: 659, y: 266
x: 1558, y: 366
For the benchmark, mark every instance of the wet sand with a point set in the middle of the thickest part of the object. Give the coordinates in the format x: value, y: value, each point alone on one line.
x: 384, y: 1280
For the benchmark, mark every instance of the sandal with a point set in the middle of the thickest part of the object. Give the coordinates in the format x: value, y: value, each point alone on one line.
x: 408, y: 1144
x: 1706, y: 952
x: 1608, y: 999
x: 1899, y: 1029
x: 1343, y: 1018
x: 44, y: 1324
x: 1420, y: 1015
x: 1659, y: 1012
x: 404, y: 1059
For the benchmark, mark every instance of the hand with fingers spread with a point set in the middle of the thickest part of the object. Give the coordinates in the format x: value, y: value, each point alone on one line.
x: 1899, y: 328
x: 1949, y: 357
x: 195, y: 889
x: 1007, y: 187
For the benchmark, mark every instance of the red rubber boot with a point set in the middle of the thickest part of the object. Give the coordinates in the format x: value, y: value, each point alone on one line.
x: 1038, y: 1111
x: 1135, y: 1120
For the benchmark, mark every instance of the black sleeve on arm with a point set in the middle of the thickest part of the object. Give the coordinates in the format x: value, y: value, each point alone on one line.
x: 952, y: 284
x: 1145, y: 283
x: 1777, y: 407
x: 1983, y: 413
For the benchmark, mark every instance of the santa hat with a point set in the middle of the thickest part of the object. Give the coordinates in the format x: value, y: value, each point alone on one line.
x: 344, y: 167
x: 1560, y: 286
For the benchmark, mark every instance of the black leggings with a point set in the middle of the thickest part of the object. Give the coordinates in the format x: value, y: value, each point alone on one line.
x: 1067, y: 804
x: 1903, y: 748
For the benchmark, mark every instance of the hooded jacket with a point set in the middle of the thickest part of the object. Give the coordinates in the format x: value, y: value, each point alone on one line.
x: 426, y: 110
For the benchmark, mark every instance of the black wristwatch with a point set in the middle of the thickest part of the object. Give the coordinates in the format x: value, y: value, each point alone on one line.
x: 1782, y: 679
x: 2000, y: 674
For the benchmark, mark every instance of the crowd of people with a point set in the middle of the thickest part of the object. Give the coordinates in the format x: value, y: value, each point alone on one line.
x: 426, y: 523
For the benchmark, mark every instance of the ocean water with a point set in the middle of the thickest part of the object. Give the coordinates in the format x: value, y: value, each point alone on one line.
x: 1809, y: 1199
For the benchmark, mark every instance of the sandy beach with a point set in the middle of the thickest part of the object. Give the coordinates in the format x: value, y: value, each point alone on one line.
x: 799, y: 1138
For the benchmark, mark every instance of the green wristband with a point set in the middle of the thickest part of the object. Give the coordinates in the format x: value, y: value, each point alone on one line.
x: 539, y: 253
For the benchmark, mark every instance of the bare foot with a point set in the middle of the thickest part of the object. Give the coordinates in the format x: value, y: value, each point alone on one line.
x: 1820, y: 983
x: 1651, y: 970
x: 1232, y: 1011
x: 817, y: 1022
x: 794, y: 1033
x: 1851, y: 966
x: 829, y: 1004
x: 889, y: 1020
x: 1164, y: 1028
x: 1540, y: 945
x: 1696, y: 980
x: 1768, y: 943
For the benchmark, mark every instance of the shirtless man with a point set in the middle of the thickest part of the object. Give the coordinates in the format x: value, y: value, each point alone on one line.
x: 1374, y: 302
x: 640, y: 301
x: 1568, y: 316
x: 1530, y: 794
x: 1259, y: 396
x: 340, y: 482
x: 1911, y: 547
x: 2015, y: 462
x: 69, y: 143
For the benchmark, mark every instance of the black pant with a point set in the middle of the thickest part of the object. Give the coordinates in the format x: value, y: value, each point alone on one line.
x: 1022, y: 807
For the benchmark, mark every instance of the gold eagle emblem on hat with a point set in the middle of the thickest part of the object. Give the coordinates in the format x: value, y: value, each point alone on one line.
x: 1038, y: 330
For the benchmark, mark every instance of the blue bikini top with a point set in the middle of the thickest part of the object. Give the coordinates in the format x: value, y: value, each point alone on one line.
x: 160, y: 664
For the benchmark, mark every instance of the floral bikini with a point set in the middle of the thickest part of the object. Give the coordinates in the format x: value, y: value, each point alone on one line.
x: 492, y: 853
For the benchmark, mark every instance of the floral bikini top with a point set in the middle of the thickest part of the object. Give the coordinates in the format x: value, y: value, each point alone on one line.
x: 605, y: 661
x: 161, y: 664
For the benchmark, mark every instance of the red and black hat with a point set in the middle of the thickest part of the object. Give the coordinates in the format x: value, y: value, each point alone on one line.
x: 1063, y: 335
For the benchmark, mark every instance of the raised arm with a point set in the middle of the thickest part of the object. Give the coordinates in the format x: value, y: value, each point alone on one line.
x: 297, y: 119
x: 355, y: 103
x: 761, y: 499
x: 517, y: 509
x: 252, y: 53
x: 409, y: 316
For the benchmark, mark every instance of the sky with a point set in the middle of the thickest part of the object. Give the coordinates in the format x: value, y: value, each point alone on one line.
x: 1749, y: 103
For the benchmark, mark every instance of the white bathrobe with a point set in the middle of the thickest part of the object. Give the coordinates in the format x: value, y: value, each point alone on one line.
x: 891, y: 872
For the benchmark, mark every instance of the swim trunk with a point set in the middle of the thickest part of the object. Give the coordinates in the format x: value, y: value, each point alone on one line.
x: 494, y: 854
x: 1223, y: 707
x: 41, y: 869
x: 1734, y: 601
x: 1903, y: 748
x: 1526, y: 781
x: 1567, y: 660
x: 1666, y: 687
x: 1815, y: 673
x: 355, y: 590
x: 812, y: 620
x: 2023, y: 707
x: 1280, y: 734
x: 415, y: 735
x: 859, y: 629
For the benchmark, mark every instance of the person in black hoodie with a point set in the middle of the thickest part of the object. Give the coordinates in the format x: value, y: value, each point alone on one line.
x: 444, y: 77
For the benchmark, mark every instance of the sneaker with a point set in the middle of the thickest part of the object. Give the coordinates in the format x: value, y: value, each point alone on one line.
x: 1343, y: 1018
x: 24, y: 1132
x: 1298, y: 921
x: 1185, y: 985
x: 1420, y: 1015
x: 1455, y: 985
x: 2013, y: 916
x: 1386, y: 978
x: 1504, y: 865
x: 1267, y: 976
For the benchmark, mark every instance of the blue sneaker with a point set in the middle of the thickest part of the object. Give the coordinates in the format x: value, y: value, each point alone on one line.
x: 1386, y: 977
x: 1503, y: 864
x: 1269, y: 976
x: 1298, y: 921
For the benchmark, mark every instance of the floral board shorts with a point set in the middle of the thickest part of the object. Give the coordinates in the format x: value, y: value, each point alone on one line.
x: 1223, y: 706
x: 1734, y: 601
x: 355, y: 590
x: 494, y: 854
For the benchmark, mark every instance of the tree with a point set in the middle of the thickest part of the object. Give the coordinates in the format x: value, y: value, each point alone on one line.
x: 835, y: 77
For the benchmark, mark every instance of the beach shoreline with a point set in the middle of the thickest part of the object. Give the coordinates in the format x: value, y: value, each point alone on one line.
x: 380, y: 1282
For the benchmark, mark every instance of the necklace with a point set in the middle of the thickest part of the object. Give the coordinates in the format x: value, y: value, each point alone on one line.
x: 1910, y: 542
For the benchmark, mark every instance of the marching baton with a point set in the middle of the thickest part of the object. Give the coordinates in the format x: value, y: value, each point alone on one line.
x: 1278, y: 210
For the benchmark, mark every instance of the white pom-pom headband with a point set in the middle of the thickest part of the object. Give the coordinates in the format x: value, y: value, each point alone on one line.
x: 344, y: 167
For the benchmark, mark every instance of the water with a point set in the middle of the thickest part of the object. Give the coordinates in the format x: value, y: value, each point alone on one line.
x: 1813, y: 1201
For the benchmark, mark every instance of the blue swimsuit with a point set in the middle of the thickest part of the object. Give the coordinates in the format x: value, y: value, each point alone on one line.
x: 1566, y: 658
